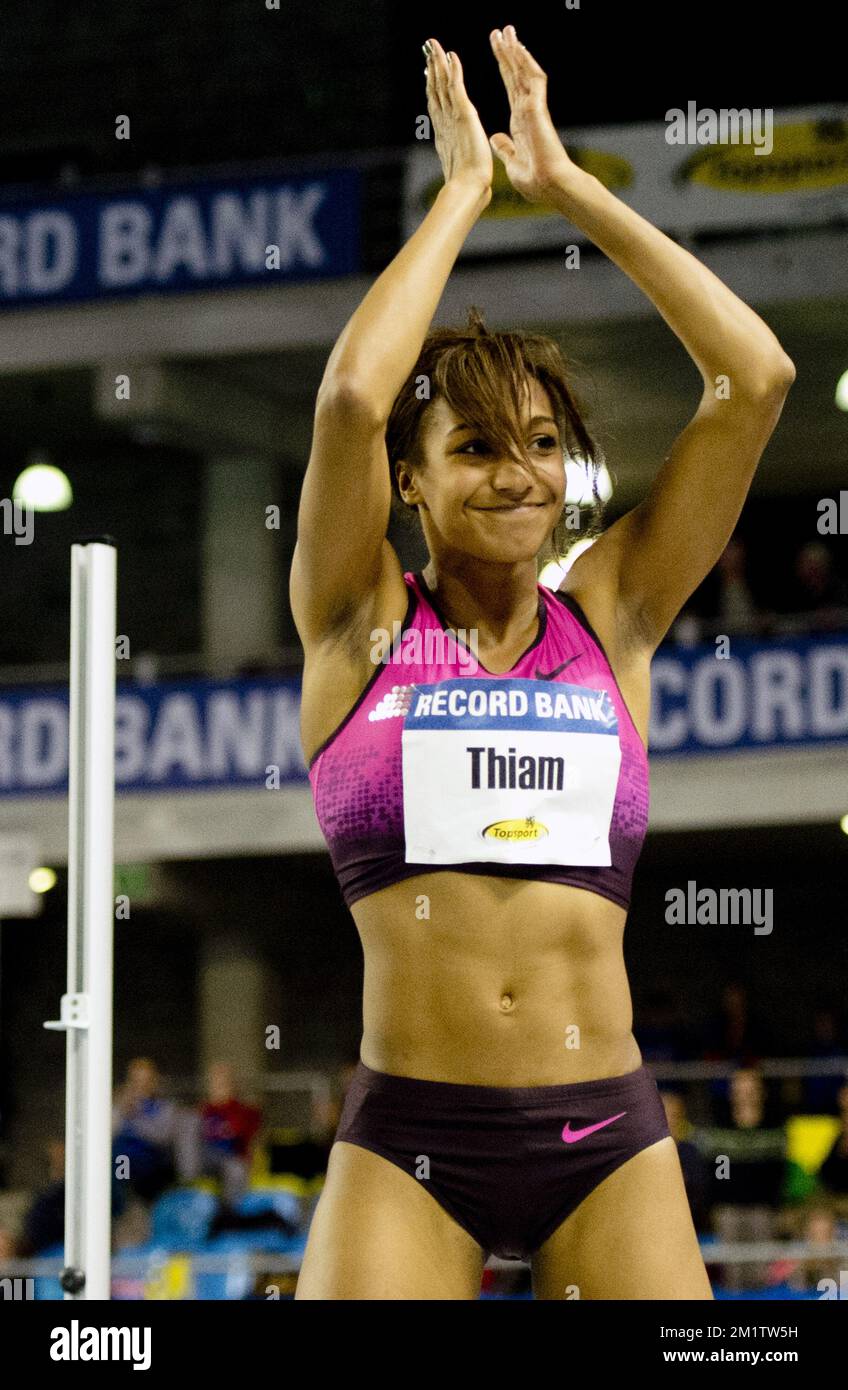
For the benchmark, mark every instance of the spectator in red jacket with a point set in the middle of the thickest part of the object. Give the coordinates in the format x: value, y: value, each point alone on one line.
x: 228, y: 1129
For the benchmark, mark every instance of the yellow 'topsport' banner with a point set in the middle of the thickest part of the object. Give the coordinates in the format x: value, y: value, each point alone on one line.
x: 701, y: 169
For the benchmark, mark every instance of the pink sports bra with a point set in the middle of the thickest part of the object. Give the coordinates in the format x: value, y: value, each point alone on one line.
x: 538, y: 772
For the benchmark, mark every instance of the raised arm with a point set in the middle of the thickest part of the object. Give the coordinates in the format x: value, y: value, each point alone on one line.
x: 342, y: 557
x: 640, y: 572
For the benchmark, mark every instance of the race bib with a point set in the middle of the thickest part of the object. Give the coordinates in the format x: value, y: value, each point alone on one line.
x: 511, y: 772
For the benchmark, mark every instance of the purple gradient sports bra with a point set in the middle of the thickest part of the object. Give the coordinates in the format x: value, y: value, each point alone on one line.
x: 536, y: 773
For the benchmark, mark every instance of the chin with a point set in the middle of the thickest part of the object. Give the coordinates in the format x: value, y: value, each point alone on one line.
x: 509, y: 554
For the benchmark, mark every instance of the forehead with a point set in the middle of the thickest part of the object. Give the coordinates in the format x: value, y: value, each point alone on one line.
x: 443, y: 417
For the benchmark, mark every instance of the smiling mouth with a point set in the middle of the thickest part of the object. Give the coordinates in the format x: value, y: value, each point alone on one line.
x: 521, y: 507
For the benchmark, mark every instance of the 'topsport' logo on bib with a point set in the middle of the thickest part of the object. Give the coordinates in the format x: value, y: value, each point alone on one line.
x: 527, y: 829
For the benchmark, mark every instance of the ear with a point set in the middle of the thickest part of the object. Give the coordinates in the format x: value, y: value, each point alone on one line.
x: 405, y: 482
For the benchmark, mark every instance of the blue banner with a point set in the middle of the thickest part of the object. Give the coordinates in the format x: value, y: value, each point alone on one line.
x: 192, y: 735
x: 761, y: 695
x: 210, y: 734
x: 179, y: 237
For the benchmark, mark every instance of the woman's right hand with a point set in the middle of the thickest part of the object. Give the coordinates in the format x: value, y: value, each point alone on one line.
x: 461, y: 142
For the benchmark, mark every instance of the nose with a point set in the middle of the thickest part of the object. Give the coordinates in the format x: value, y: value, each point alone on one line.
x: 512, y: 477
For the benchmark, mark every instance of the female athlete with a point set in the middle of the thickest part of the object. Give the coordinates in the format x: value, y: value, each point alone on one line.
x: 484, y: 801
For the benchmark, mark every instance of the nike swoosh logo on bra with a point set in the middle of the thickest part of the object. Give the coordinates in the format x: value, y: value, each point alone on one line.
x: 542, y: 676
x: 572, y: 1135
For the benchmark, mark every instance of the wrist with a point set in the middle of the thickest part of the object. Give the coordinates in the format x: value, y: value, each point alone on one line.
x: 474, y: 186
x: 568, y: 184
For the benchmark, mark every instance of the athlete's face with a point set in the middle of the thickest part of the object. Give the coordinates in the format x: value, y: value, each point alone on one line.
x: 485, y: 503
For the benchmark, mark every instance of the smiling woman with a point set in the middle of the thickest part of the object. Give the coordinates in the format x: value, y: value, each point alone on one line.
x: 484, y: 844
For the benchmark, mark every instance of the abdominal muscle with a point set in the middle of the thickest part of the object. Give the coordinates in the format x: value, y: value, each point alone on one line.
x: 492, y: 981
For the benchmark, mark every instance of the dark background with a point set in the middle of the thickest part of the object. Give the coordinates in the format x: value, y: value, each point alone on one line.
x: 207, y: 83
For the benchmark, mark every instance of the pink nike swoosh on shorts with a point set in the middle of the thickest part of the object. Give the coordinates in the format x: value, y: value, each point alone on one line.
x: 572, y: 1135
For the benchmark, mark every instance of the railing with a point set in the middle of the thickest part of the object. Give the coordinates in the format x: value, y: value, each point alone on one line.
x: 138, y: 1266
x: 317, y: 1087
x: 149, y: 667
x: 172, y: 1275
x: 187, y: 1088
x: 700, y: 1070
x: 691, y: 630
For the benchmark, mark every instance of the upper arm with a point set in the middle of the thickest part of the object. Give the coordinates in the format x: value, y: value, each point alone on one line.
x: 652, y: 559
x: 342, y: 557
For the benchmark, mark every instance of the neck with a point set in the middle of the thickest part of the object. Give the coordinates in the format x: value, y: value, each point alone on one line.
x: 499, y: 601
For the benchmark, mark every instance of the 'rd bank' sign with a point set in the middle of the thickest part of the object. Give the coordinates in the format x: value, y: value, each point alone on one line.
x: 191, y: 236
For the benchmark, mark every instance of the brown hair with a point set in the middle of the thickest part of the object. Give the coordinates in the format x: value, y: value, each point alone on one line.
x: 476, y: 371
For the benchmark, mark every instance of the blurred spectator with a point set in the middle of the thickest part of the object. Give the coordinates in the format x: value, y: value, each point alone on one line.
x: 44, y: 1223
x: 820, y: 1093
x: 818, y: 598
x: 813, y: 598
x: 696, y: 1174
x: 228, y: 1131
x: 817, y: 1224
x: 833, y: 1174
x: 749, y: 1161
x: 688, y: 629
x: 724, y: 603
x: 736, y: 611
x: 144, y: 1129
x: 660, y: 1030
x: 733, y: 1034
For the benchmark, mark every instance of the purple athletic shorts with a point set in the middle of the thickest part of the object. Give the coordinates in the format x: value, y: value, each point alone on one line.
x: 508, y: 1163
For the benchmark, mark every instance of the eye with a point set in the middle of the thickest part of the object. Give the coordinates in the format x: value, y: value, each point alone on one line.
x: 547, y: 441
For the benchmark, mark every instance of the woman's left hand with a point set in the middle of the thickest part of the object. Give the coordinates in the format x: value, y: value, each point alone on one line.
x: 535, y: 158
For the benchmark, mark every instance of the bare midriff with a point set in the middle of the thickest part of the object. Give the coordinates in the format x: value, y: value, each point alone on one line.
x: 492, y: 981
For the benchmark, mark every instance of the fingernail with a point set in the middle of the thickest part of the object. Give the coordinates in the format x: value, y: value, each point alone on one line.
x: 498, y: 35
x: 427, y: 50
x: 510, y: 29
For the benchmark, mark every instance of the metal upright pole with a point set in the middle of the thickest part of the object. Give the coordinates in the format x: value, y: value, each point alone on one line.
x: 86, y: 1008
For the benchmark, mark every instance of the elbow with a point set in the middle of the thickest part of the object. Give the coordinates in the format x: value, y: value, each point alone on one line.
x: 347, y: 395
x: 773, y: 379
x: 785, y: 372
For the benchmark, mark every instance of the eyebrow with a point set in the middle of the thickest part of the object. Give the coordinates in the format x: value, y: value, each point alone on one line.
x: 537, y: 420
